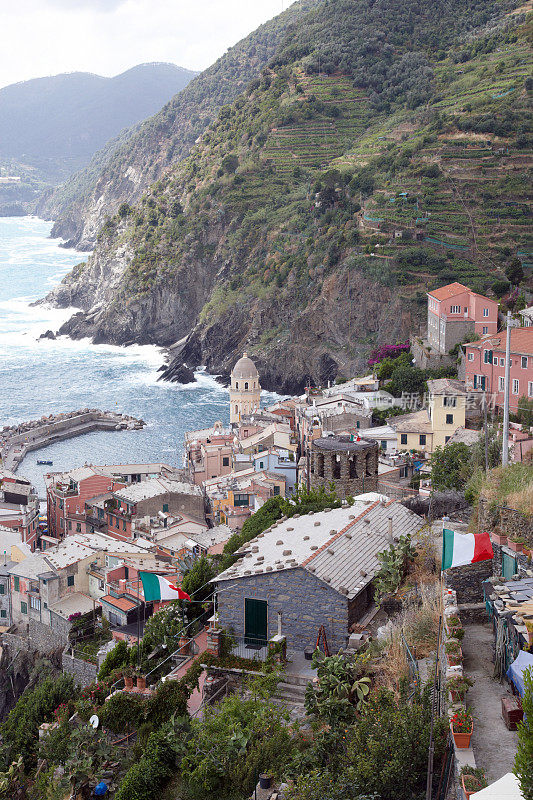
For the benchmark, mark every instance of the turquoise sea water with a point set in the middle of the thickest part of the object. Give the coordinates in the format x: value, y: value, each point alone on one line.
x: 43, y: 377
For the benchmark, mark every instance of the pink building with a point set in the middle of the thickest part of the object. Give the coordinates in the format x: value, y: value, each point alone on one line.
x: 455, y: 312
x: 485, y: 366
x: 209, y: 453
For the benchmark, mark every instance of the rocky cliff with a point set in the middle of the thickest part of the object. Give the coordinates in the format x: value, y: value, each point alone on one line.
x: 367, y: 163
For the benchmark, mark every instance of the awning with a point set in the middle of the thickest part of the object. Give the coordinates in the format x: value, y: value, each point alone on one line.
x: 515, y: 673
x: 506, y: 788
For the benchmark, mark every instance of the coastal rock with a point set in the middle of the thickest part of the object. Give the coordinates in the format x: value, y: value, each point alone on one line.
x: 177, y: 372
x: 48, y: 335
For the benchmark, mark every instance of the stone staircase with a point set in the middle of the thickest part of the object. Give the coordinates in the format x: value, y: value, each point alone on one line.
x: 290, y: 691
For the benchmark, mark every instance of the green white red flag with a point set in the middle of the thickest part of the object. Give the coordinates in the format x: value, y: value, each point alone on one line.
x: 465, y: 548
x: 157, y: 588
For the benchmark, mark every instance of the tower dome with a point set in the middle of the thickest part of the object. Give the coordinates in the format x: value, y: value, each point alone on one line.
x: 245, y: 390
x: 244, y: 368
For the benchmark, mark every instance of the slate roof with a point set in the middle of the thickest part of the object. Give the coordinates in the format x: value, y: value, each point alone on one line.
x: 338, y: 546
x: 447, y: 386
x: 155, y: 487
x: 415, y: 422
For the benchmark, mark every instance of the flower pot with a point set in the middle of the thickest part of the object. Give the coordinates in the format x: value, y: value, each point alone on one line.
x: 454, y: 659
x: 516, y: 547
x: 141, y: 682
x: 499, y: 538
x: 473, y: 783
x: 265, y: 781
x: 462, y: 738
x: 457, y: 697
x: 128, y: 681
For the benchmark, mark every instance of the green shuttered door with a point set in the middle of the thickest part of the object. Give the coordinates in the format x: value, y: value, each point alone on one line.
x: 255, y: 621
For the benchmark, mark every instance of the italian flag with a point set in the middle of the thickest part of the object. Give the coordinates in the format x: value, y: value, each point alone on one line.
x: 464, y: 548
x: 155, y: 587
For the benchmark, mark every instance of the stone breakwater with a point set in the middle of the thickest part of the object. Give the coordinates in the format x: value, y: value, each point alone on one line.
x: 17, y: 440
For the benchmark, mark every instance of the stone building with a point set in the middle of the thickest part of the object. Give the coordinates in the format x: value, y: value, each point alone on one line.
x: 347, y: 462
x: 310, y: 571
x: 245, y: 390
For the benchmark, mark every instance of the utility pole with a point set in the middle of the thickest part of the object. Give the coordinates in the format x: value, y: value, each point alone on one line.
x: 505, y: 447
x: 486, y: 431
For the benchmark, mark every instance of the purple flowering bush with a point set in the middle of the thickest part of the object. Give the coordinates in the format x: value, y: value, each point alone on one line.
x: 387, y: 351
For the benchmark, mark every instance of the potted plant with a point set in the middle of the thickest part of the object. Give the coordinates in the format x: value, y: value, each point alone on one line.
x: 499, y: 538
x: 472, y: 780
x: 462, y: 725
x: 141, y: 682
x: 453, y: 652
x: 514, y: 543
x: 127, y: 673
x: 452, y: 622
x: 458, y: 687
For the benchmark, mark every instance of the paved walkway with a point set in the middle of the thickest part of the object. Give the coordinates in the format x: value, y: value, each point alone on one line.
x: 494, y: 746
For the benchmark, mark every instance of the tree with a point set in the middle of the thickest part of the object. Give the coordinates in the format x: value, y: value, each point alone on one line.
x: 514, y: 271
x: 230, y: 163
x: 524, y: 755
x: 450, y: 466
x: 500, y: 287
x: 196, y: 584
x: 117, y: 657
x: 408, y: 379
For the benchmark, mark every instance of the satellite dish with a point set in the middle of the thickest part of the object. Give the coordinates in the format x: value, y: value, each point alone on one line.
x: 94, y: 722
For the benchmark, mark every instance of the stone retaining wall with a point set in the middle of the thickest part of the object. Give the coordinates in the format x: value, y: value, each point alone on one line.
x: 467, y: 581
x: 507, y: 520
x: 84, y: 672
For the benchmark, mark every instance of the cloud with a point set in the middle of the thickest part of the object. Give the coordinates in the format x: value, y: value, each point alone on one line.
x: 47, y: 37
x: 97, y: 5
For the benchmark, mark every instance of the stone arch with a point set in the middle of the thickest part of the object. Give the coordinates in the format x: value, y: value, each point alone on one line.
x: 369, y: 464
x: 336, y: 466
x: 236, y: 384
x: 320, y: 465
x: 246, y: 386
x: 352, y: 466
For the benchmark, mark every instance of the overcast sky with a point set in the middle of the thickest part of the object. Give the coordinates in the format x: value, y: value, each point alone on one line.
x: 46, y: 37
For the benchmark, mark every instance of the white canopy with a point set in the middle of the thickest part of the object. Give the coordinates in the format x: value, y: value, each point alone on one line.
x: 506, y: 788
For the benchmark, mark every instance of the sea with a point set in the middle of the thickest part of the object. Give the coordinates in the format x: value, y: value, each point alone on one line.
x: 43, y: 376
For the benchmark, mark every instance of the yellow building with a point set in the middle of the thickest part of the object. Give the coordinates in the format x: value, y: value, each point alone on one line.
x: 245, y: 390
x: 433, y: 426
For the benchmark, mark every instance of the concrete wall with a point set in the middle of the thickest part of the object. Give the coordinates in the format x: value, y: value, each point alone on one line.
x: 83, y: 672
x: 305, y: 602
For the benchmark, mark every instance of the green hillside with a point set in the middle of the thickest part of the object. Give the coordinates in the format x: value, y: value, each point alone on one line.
x: 383, y: 151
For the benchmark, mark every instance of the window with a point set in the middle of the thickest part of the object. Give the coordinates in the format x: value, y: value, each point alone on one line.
x: 485, y: 312
x: 70, y: 580
x: 225, y: 461
x: 455, y: 309
x: 35, y: 603
x: 69, y: 525
x: 403, y: 438
x: 530, y: 389
x: 23, y: 607
x: 101, y: 586
x: 165, y: 508
x: 422, y: 438
x: 485, y: 330
x: 383, y: 444
x: 276, y: 490
x: 123, y: 524
x: 524, y: 362
x: 447, y: 439
x: 246, y: 386
x: 78, y: 527
x: 449, y: 419
x: 240, y: 500
x: 516, y: 385
x: 236, y: 384
x: 2, y: 588
x: 451, y: 402
x: 487, y: 356
x: 261, y: 465
x: 17, y: 584
x: 3, y: 613
x: 470, y: 356
x: 501, y: 383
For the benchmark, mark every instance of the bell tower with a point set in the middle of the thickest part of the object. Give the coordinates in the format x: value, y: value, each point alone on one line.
x: 245, y: 390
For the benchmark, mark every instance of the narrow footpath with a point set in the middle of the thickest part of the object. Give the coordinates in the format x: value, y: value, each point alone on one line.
x: 494, y: 746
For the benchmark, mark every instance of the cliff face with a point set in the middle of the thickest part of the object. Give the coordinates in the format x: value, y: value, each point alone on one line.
x: 314, y: 213
x: 128, y: 166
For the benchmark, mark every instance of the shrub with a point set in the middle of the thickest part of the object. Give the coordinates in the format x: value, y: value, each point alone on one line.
x: 122, y: 712
x: 145, y: 779
x: 524, y: 753
x: 118, y: 657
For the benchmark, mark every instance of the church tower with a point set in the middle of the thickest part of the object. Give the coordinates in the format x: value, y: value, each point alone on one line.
x: 245, y: 391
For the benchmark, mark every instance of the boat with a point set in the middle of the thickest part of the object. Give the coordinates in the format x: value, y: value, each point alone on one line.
x: 45, y: 462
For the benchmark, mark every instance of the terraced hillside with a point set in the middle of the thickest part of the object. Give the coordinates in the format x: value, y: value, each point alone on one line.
x: 385, y: 150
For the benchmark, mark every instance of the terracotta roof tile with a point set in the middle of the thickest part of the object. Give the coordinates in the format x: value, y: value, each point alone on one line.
x: 445, y: 292
x: 521, y: 341
x: 118, y: 602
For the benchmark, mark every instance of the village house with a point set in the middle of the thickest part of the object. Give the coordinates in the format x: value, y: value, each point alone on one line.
x: 238, y: 495
x: 484, y: 362
x: 158, y: 496
x: 311, y: 571
x: 433, y: 426
x: 19, y: 507
x: 455, y: 313
x: 8, y: 538
x: 208, y: 453
x: 526, y: 316
x: 277, y: 434
x: 385, y: 436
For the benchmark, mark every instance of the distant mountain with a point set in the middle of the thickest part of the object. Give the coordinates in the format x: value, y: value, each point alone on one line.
x: 124, y: 169
x: 56, y: 124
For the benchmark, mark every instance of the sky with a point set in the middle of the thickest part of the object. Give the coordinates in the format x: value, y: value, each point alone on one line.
x: 47, y: 37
